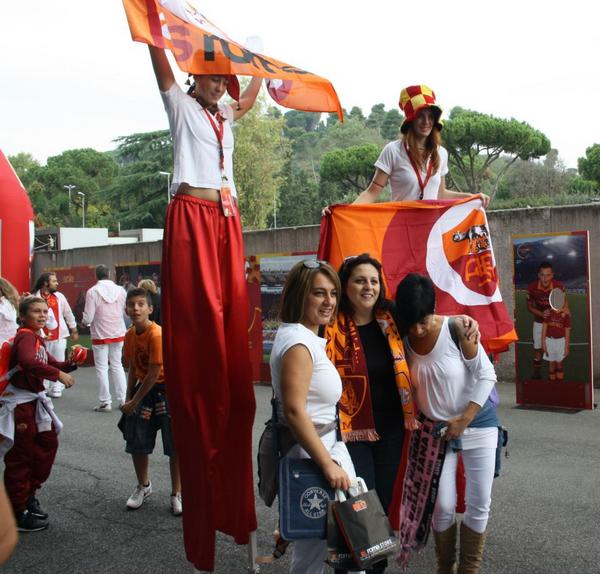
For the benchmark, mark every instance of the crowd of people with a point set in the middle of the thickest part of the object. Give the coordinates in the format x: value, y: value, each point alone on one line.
x: 394, y: 368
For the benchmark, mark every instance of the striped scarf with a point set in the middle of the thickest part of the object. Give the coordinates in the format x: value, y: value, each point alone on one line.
x: 345, y: 351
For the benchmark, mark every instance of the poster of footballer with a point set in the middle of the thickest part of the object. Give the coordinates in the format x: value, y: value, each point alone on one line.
x: 553, y: 357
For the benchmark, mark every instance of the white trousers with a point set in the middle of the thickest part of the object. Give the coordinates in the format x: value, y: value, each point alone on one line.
x: 108, y: 363
x: 57, y: 349
x: 479, y: 473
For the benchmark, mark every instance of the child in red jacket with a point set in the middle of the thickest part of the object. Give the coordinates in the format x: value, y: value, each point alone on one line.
x: 27, y: 417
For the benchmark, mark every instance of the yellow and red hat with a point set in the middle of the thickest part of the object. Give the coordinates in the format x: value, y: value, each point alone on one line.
x: 413, y: 99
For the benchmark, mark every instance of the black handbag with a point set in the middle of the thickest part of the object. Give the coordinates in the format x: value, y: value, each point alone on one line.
x: 304, y: 496
x: 365, y: 527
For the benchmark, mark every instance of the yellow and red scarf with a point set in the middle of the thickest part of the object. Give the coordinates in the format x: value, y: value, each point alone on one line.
x: 345, y: 351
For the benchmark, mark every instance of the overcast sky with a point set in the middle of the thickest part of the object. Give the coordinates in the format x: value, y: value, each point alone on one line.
x: 72, y: 77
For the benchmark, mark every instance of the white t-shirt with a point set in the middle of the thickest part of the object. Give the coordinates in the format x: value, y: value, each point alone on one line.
x: 445, y: 382
x: 8, y: 320
x: 394, y: 161
x: 325, y: 387
x: 195, y: 144
x: 324, y: 391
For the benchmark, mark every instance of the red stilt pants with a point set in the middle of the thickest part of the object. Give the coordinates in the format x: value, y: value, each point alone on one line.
x: 29, y: 462
x: 207, y: 372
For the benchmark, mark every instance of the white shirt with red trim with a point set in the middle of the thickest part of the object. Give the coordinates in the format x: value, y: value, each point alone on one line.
x: 65, y: 320
x: 104, y: 312
x: 394, y: 161
x: 195, y: 144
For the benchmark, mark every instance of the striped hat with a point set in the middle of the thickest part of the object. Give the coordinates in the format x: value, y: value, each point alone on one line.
x: 415, y: 98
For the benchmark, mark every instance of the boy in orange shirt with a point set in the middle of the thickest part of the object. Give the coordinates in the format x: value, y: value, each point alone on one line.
x: 145, y: 410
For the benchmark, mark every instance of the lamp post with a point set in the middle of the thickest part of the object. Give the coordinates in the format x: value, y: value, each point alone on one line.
x: 82, y: 207
x: 168, y: 174
x: 70, y: 188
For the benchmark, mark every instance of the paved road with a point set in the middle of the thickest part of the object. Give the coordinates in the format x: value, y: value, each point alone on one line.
x: 545, y: 512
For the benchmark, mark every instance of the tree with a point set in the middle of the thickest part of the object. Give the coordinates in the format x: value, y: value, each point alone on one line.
x: 376, y: 117
x: 307, y: 121
x: 298, y: 198
x: 390, y: 128
x: 25, y: 166
x: 349, y: 170
x: 475, y: 141
x: 260, y: 155
x: 589, y: 166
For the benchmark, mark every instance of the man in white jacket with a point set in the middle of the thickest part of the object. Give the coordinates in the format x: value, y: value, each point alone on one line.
x: 61, y: 322
x: 104, y: 313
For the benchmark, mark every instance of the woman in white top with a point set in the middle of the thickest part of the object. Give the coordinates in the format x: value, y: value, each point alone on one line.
x: 205, y: 342
x: 416, y: 164
x: 9, y: 303
x: 453, y: 383
x: 307, y: 386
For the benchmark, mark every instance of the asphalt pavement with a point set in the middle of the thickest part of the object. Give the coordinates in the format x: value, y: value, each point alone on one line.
x: 545, y: 510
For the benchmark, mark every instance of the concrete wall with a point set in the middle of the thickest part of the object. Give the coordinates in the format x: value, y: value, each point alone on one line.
x: 503, y: 224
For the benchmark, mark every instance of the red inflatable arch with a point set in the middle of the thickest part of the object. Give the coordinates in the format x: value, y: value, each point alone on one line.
x: 16, y: 228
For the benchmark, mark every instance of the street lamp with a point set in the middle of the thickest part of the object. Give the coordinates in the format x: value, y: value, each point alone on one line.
x: 82, y: 207
x: 69, y: 187
x: 168, y: 174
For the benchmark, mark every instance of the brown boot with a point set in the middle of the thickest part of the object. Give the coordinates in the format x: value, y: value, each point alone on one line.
x: 445, y: 550
x: 471, y: 550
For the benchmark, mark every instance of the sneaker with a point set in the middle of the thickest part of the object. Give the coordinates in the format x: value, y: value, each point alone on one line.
x: 27, y: 522
x: 55, y: 393
x: 138, y: 496
x: 176, y: 505
x: 35, y: 509
x: 103, y: 408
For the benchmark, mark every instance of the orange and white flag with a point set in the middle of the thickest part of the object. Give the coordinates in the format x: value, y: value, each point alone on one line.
x: 449, y: 241
x: 200, y: 47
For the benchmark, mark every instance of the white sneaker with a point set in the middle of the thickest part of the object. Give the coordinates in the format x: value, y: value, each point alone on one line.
x: 139, y: 495
x: 103, y: 408
x: 176, y: 505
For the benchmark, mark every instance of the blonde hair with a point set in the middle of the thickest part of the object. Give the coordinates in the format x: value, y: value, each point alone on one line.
x: 148, y: 285
x: 9, y: 291
x: 298, y: 285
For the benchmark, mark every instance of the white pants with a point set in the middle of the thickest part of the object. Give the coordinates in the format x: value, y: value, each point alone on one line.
x: 555, y: 349
x: 108, y: 361
x: 479, y: 473
x: 537, y: 336
x: 57, y: 349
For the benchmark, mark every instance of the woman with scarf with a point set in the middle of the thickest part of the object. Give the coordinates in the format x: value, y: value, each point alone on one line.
x: 376, y: 405
x: 453, y: 379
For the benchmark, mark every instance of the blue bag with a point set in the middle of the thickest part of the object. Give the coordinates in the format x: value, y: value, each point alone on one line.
x: 304, y: 497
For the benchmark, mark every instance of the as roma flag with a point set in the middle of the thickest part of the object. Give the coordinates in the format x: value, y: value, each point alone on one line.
x: 199, y: 47
x: 447, y: 240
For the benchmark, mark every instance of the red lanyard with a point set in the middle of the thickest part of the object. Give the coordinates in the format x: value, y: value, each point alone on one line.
x: 422, y: 184
x: 219, y: 133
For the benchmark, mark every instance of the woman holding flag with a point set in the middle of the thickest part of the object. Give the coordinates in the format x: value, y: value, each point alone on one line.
x: 207, y: 365
x: 415, y: 165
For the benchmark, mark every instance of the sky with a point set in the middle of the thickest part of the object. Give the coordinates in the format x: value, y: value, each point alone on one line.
x: 72, y: 77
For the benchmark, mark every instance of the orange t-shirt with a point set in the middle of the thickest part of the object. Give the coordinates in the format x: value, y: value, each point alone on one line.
x: 144, y: 349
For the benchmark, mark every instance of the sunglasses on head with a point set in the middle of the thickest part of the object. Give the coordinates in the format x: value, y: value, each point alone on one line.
x: 312, y: 263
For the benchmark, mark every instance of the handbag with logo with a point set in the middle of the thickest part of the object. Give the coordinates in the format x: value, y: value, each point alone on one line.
x: 304, y: 496
x: 365, y: 527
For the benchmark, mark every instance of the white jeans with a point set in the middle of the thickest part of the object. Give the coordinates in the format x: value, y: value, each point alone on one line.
x: 108, y: 361
x: 479, y: 473
x: 57, y: 350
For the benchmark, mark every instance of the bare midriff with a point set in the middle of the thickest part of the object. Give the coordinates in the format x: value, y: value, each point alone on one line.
x: 199, y: 192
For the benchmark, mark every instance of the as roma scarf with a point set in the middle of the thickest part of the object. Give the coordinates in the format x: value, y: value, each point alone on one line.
x: 345, y: 351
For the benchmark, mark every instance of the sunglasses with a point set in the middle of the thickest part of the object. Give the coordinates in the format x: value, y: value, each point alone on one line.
x: 312, y: 263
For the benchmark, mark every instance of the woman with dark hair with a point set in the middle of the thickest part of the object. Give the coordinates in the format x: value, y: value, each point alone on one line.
x: 376, y: 405
x: 417, y: 164
x: 307, y: 388
x: 453, y: 382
